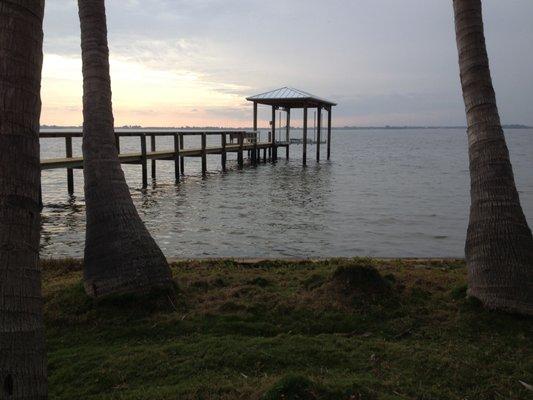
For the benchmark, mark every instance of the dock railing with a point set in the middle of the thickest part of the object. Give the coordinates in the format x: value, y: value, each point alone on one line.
x: 246, y: 141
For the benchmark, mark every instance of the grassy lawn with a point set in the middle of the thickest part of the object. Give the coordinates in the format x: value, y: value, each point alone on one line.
x: 337, y: 329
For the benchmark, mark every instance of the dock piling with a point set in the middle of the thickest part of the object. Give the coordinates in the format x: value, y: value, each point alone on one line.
x: 239, y: 153
x: 329, y: 133
x: 318, y: 128
x: 304, y: 145
x: 70, y: 172
x: 274, y: 148
x: 269, y: 147
x: 182, y: 159
x: 255, y: 151
x: 287, y: 133
x: 143, y: 161
x: 152, y: 148
x: 176, y: 157
x: 223, y: 154
x: 204, y: 154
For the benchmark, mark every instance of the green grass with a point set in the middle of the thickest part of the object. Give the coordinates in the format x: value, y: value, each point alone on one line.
x: 286, y: 330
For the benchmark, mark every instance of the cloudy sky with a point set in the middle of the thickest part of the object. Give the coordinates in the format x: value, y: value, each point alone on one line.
x: 192, y: 62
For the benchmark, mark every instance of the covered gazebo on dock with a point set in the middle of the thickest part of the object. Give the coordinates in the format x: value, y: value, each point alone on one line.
x: 286, y: 99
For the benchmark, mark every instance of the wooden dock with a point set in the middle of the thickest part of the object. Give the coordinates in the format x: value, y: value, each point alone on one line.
x: 246, y: 141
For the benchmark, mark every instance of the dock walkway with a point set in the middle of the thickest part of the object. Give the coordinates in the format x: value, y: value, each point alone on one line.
x: 247, y: 141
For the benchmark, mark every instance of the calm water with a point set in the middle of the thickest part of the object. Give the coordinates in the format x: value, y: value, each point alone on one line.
x: 384, y: 193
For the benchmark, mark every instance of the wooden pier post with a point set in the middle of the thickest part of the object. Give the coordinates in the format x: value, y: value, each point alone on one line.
x: 256, y: 156
x: 70, y: 172
x: 143, y: 161
x: 329, y: 132
x: 304, y: 144
x: 255, y: 152
x: 240, y: 160
x: 176, y: 157
x: 255, y: 116
x: 204, y: 154
x: 265, y: 155
x: 318, y: 128
x: 152, y: 148
x: 274, y: 148
x: 287, y: 133
x: 182, y: 159
x: 269, y: 145
x: 223, y: 153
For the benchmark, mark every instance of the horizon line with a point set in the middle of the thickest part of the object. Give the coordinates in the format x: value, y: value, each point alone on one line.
x: 346, y: 127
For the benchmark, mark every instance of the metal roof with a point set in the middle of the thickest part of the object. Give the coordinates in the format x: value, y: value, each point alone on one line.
x: 290, y: 97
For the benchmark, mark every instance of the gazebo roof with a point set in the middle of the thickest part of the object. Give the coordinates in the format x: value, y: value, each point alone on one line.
x: 290, y: 98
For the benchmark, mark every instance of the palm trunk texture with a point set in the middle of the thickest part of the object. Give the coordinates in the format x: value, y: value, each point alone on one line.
x: 22, y: 351
x: 120, y: 255
x: 499, y: 244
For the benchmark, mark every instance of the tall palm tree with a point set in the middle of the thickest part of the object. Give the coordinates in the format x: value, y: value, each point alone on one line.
x: 120, y: 254
x: 22, y: 352
x: 499, y: 244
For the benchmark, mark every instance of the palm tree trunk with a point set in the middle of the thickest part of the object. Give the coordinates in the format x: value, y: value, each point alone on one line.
x: 499, y: 244
x: 120, y: 254
x: 22, y: 351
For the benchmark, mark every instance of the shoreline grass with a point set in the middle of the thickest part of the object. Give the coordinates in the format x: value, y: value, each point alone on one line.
x: 286, y: 329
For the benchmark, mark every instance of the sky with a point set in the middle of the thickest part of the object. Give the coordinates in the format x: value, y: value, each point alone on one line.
x: 193, y: 62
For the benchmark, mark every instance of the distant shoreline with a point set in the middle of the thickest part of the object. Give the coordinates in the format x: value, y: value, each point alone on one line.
x: 337, y: 128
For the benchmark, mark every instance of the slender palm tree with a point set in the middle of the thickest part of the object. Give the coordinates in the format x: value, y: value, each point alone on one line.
x: 499, y: 244
x: 22, y: 352
x: 120, y: 254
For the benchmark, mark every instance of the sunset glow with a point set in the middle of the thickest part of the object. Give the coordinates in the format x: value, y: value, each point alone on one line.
x: 141, y: 95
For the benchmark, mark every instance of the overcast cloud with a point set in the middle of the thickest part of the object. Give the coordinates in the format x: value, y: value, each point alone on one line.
x: 181, y: 62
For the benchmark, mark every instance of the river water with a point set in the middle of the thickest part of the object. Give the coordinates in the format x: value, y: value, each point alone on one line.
x: 388, y: 193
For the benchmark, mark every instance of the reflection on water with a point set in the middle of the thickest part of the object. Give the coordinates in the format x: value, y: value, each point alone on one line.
x: 384, y: 193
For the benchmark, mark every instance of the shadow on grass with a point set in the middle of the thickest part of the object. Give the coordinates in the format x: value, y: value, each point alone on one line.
x: 298, y: 387
x: 72, y: 304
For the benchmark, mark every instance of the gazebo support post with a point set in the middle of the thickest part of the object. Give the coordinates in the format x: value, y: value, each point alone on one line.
x: 304, y: 144
x: 254, y: 155
x: 274, y: 148
x: 288, y: 133
x: 318, y: 128
x: 329, y: 132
